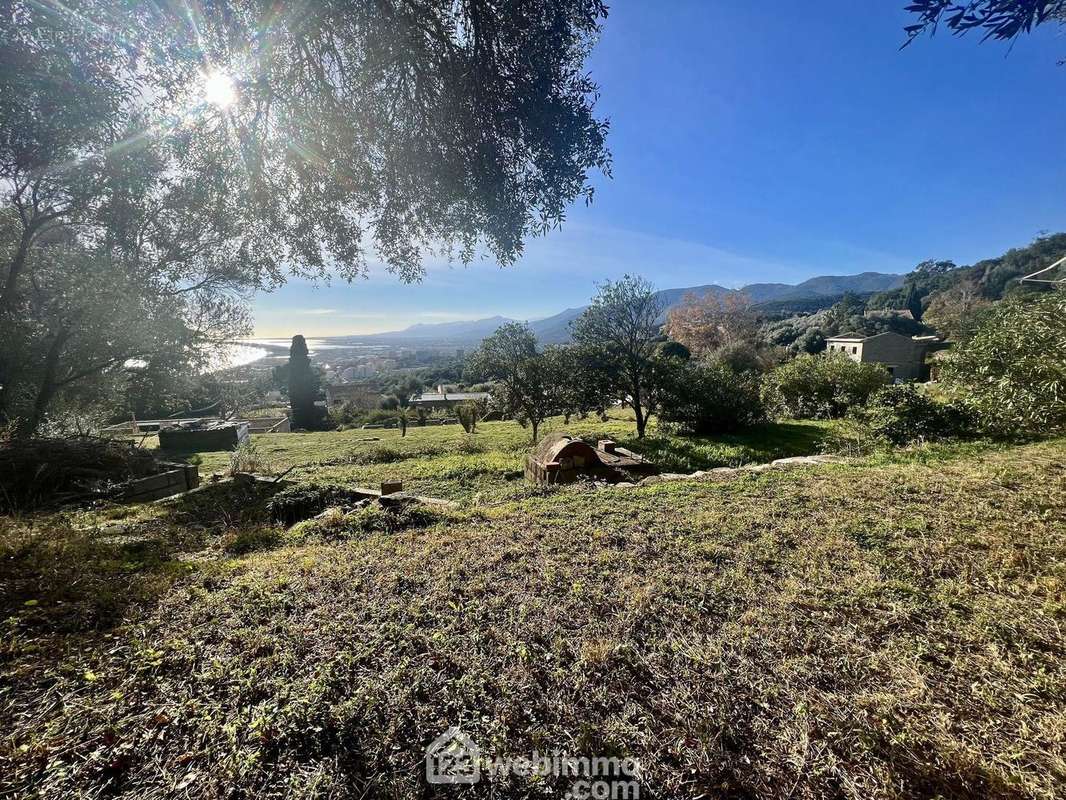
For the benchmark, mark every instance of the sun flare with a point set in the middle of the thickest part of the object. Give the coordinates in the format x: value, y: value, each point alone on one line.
x: 219, y: 89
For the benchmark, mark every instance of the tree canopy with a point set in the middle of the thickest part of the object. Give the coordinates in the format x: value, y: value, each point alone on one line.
x: 997, y: 19
x: 526, y: 385
x: 1012, y: 370
x: 202, y: 154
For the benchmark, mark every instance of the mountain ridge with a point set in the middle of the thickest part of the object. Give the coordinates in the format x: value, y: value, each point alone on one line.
x: 555, y: 329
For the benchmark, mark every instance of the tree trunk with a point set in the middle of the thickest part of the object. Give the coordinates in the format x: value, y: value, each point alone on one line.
x: 638, y: 411
x: 534, y: 424
x: 47, y: 391
x: 14, y: 269
x: 7, y: 307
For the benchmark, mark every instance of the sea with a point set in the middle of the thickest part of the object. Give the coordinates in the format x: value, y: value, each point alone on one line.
x: 248, y: 351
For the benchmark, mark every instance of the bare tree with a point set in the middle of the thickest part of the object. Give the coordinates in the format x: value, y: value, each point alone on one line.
x: 706, y: 323
x: 622, y: 325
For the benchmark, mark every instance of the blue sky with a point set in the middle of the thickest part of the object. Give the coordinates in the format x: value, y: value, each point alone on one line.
x: 754, y: 145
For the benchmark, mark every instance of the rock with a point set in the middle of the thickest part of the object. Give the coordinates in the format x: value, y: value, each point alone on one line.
x: 795, y: 461
x: 673, y: 476
x: 625, y: 483
x: 651, y: 479
x: 333, y: 512
x: 396, y: 501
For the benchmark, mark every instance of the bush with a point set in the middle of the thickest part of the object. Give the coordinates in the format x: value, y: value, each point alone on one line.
x: 352, y: 415
x: 1012, y: 372
x: 38, y: 473
x: 249, y: 458
x: 469, y: 414
x: 297, y: 503
x: 710, y: 398
x: 749, y: 357
x: 378, y: 454
x: 904, y: 414
x: 821, y: 386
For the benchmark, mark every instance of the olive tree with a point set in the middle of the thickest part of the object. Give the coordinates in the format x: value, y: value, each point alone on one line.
x: 997, y: 19
x: 207, y: 155
x: 526, y: 388
x: 1012, y: 370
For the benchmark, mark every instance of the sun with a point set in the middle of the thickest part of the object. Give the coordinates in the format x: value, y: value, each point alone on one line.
x: 219, y: 89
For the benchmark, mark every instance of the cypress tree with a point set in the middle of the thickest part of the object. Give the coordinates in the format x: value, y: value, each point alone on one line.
x: 914, y: 303
x: 303, y: 386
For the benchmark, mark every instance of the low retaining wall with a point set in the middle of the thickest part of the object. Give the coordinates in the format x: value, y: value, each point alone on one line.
x: 255, y: 425
x: 267, y: 424
x: 180, y: 478
x: 729, y: 472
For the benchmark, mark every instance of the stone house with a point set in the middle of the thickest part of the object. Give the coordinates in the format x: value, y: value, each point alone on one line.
x: 902, y: 356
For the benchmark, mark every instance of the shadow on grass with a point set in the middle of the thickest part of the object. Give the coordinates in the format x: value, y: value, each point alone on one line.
x: 222, y: 505
x: 58, y: 577
x: 758, y: 444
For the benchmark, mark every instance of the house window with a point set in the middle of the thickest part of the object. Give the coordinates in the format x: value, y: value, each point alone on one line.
x: 855, y: 349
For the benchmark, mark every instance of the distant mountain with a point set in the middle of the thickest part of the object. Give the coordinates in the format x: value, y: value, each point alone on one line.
x: 823, y: 286
x: 556, y: 328
x: 862, y: 283
x: 461, y: 332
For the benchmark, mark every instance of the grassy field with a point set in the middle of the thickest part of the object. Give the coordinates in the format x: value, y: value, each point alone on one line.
x: 444, y: 461
x: 890, y: 627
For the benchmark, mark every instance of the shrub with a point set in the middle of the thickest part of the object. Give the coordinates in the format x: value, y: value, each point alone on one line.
x: 249, y: 458
x: 354, y: 416
x: 1012, y: 372
x: 821, y: 386
x: 470, y: 413
x: 749, y: 357
x: 904, y: 414
x: 710, y: 398
x: 378, y: 454
x: 297, y: 503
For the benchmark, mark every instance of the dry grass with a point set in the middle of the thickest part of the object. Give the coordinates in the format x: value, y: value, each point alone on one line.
x: 880, y: 630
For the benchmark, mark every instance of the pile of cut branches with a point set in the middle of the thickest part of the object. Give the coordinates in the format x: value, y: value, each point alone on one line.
x: 42, y: 473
